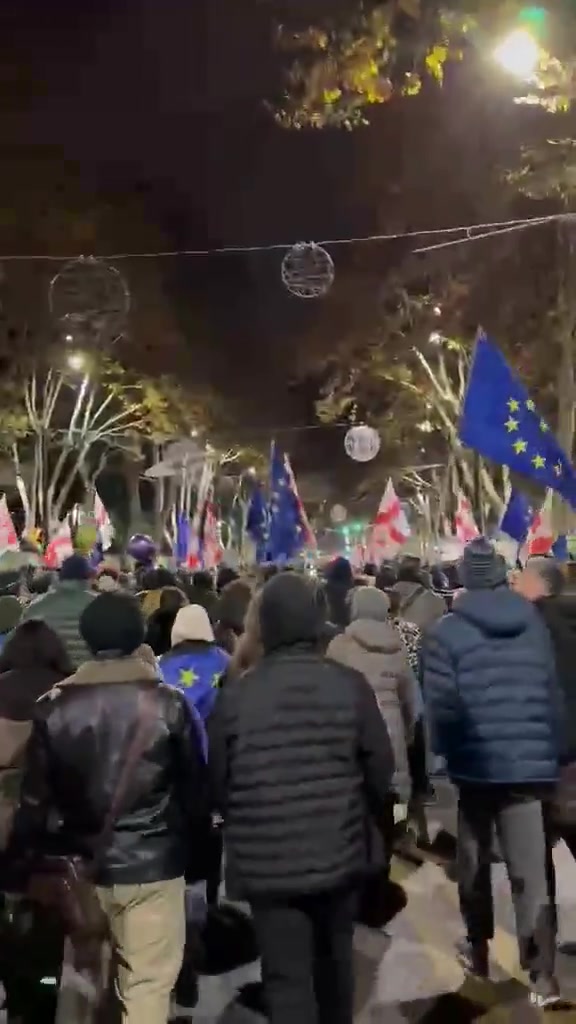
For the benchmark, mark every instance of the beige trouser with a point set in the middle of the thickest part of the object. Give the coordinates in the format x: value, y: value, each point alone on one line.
x: 149, y: 929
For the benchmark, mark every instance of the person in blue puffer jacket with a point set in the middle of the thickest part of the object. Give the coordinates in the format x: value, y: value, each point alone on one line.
x: 495, y: 713
x: 195, y: 663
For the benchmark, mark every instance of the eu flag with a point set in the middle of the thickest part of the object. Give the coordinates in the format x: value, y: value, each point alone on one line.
x: 286, y: 534
x: 560, y: 548
x: 500, y: 420
x: 257, y: 522
x: 517, y: 517
x: 182, y: 538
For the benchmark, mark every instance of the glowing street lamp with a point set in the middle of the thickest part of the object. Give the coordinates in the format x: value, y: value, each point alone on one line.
x: 76, y: 361
x: 518, y: 54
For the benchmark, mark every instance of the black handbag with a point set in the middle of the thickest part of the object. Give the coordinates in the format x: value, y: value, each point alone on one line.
x: 65, y: 884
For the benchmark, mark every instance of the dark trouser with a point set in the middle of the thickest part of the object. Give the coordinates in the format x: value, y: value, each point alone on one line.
x: 418, y: 760
x: 306, y: 948
x: 520, y: 825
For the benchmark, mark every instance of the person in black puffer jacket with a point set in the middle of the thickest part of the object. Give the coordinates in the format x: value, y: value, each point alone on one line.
x: 339, y: 583
x: 491, y: 691
x: 82, y: 733
x: 298, y: 751
x: 544, y: 583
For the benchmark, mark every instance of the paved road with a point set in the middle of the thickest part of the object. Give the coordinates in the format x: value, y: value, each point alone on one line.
x: 409, y: 975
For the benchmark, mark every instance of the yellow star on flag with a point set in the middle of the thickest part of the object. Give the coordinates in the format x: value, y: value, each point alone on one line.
x: 538, y: 462
x: 215, y: 680
x: 558, y: 469
x: 520, y: 446
x: 513, y: 404
x: 188, y: 677
x: 544, y: 426
x: 530, y: 405
x: 511, y: 424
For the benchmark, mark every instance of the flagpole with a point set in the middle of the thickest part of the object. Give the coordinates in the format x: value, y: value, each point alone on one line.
x: 476, y: 457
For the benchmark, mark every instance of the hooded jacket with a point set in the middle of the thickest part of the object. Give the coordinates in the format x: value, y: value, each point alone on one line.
x: 339, y: 583
x: 418, y: 604
x: 23, y: 680
x: 61, y: 609
x: 80, y: 736
x: 491, y: 691
x: 376, y: 650
x: 297, y: 749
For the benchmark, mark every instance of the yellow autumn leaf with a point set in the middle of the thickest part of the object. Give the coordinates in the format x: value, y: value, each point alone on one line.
x: 435, y: 61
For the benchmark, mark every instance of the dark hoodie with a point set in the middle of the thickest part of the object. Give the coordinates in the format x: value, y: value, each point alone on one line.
x: 559, y: 614
x: 232, y: 607
x: 297, y: 747
x: 33, y: 660
x: 159, y: 628
x: 339, y: 583
x: 491, y: 691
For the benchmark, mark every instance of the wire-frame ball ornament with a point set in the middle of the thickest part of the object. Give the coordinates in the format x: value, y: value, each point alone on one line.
x: 307, y: 270
x: 362, y: 443
x: 89, y: 301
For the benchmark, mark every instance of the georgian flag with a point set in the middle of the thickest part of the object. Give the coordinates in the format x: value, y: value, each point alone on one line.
x: 541, y: 533
x: 466, y: 528
x: 60, y: 547
x: 391, y: 529
x: 8, y: 535
x: 103, y: 523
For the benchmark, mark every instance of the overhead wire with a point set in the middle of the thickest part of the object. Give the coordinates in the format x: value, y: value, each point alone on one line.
x: 486, y: 230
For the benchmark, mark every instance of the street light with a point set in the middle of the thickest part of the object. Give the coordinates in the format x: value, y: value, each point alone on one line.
x: 76, y: 361
x: 518, y: 54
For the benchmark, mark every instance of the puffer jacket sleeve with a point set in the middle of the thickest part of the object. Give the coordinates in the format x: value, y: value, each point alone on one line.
x: 440, y: 692
x: 410, y: 700
x: 220, y: 727
x: 374, y: 749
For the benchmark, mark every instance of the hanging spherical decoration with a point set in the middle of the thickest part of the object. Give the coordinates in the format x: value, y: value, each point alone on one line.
x: 307, y: 270
x: 338, y: 514
x: 89, y: 302
x: 362, y: 443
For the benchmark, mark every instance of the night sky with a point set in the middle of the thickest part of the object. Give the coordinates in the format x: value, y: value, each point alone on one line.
x: 161, y: 102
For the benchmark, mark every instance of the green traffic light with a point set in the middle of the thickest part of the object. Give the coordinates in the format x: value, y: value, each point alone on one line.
x: 534, y: 17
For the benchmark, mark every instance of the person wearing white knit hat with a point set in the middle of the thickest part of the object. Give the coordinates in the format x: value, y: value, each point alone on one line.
x: 195, y: 663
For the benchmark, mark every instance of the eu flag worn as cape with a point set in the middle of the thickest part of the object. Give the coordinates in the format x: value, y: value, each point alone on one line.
x: 517, y: 517
x: 500, y: 420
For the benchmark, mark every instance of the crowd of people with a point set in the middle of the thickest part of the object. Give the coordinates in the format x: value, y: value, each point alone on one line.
x: 162, y: 729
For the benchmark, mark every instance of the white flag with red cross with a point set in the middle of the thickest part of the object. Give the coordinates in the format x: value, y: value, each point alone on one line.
x: 466, y: 528
x: 390, y: 530
x: 60, y: 546
x: 8, y: 535
x: 103, y: 522
x: 211, y: 546
x: 541, y: 533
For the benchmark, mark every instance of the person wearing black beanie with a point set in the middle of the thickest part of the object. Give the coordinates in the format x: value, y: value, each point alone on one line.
x: 496, y: 715
x: 298, y: 751
x: 112, y: 740
x: 61, y: 607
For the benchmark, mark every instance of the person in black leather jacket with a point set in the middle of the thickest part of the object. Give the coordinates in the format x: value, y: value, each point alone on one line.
x: 81, y: 735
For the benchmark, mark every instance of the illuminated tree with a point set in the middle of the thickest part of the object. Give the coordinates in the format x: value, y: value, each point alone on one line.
x: 64, y: 423
x: 345, y: 58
